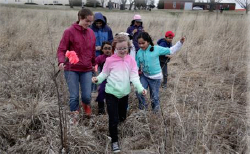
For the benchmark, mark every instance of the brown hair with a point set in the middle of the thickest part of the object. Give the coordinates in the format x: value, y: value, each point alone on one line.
x: 83, y: 13
x: 104, y: 43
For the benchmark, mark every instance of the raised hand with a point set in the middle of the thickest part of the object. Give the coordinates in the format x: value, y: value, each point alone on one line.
x: 182, y: 39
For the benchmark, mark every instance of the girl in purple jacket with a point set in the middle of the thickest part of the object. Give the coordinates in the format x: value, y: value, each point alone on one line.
x: 135, y: 29
x: 106, y: 48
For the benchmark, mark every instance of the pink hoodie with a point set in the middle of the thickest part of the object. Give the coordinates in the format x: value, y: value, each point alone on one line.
x: 119, y: 72
x: 82, y: 41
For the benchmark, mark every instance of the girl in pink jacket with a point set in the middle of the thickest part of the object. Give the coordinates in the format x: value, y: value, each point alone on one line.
x: 120, y: 69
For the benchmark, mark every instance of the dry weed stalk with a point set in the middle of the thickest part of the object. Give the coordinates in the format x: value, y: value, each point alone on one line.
x: 62, y: 113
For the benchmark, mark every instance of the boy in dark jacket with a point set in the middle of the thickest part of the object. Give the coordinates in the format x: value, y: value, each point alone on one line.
x: 165, y: 42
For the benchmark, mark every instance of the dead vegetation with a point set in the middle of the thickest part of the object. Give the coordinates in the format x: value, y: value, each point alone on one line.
x: 203, y: 109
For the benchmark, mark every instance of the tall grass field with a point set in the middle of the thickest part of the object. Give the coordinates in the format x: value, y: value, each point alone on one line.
x: 203, y: 110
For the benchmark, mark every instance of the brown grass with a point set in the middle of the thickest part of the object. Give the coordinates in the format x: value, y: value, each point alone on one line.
x: 203, y: 110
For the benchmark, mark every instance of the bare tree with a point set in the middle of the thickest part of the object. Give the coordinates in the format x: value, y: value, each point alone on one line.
x: 71, y: 3
x: 123, y: 4
x: 102, y: 2
x: 213, y: 4
x: 244, y: 4
x: 131, y: 3
x: 141, y: 4
x: 94, y: 3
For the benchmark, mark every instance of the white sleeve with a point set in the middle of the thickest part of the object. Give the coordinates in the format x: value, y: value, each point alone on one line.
x: 175, y: 48
x: 133, y: 52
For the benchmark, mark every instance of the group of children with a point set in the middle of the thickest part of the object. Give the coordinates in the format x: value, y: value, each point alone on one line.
x: 129, y: 58
x: 120, y: 69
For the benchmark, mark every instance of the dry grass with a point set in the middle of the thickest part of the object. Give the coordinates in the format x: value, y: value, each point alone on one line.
x: 203, y: 109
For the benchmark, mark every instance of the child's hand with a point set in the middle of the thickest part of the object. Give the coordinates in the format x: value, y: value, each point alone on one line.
x: 144, y: 92
x: 98, y: 48
x: 169, y: 56
x: 182, y: 40
x: 61, y: 66
x: 134, y: 31
x: 94, y: 79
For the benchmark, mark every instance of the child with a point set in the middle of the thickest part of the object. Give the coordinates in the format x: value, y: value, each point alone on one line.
x: 167, y: 43
x: 120, y: 69
x: 106, y: 48
x: 102, y: 33
x: 132, y: 51
x: 147, y: 59
x: 135, y: 29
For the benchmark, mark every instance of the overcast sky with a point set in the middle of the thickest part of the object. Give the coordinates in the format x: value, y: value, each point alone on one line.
x: 225, y: 1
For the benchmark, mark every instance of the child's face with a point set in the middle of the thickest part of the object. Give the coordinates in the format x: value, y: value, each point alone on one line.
x: 85, y: 23
x: 122, y: 49
x: 107, y: 49
x: 98, y: 24
x: 169, y: 39
x: 137, y: 23
x: 143, y: 44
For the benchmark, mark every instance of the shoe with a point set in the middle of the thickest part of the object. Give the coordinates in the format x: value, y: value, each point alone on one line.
x: 74, y: 117
x: 101, y: 109
x: 87, y: 109
x: 164, y: 86
x: 115, y: 147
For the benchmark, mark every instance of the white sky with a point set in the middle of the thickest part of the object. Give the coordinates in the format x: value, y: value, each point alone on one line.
x: 223, y: 1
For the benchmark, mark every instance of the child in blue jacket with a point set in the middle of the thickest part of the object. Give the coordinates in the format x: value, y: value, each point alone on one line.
x: 147, y: 59
x: 102, y: 33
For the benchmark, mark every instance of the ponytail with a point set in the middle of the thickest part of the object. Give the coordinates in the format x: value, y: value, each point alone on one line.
x: 152, y: 44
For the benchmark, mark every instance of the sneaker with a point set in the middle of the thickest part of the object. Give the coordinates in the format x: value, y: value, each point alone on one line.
x: 74, y: 117
x: 87, y: 109
x: 115, y: 147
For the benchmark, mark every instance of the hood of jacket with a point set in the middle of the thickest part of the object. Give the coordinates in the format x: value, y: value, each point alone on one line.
x: 78, y: 27
x: 99, y: 16
x: 163, y: 42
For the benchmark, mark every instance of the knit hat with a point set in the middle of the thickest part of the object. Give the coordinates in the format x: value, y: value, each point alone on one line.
x: 137, y: 18
x: 169, y: 34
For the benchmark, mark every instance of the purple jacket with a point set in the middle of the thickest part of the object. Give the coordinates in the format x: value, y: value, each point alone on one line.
x: 139, y: 30
x: 100, y: 60
x: 82, y: 41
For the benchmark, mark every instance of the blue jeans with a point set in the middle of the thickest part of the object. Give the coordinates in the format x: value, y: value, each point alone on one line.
x: 73, y: 79
x: 154, y: 86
